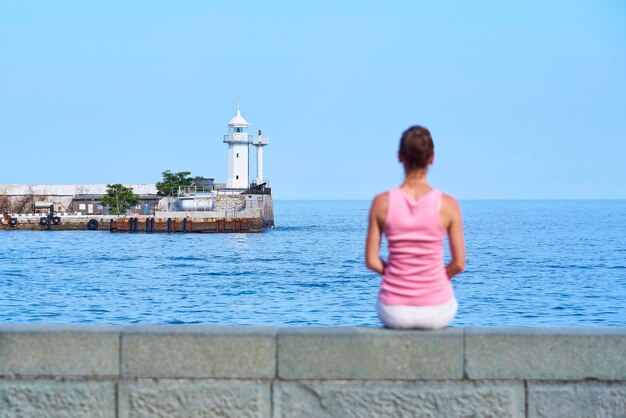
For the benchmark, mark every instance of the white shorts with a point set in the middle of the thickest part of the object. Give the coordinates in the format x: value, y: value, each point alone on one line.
x: 424, y: 317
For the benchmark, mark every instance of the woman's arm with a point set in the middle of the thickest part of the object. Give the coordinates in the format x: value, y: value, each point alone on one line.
x: 451, y: 214
x: 378, y: 211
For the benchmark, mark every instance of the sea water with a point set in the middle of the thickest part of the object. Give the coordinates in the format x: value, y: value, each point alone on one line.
x: 529, y: 263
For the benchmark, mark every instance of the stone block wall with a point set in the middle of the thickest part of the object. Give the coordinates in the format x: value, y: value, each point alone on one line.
x: 198, y: 371
x: 229, y: 202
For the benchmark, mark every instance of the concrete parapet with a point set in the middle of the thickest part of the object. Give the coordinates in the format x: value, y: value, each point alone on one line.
x: 154, y: 371
x: 198, y: 351
x: 59, y: 350
x: 544, y: 353
x: 369, y: 353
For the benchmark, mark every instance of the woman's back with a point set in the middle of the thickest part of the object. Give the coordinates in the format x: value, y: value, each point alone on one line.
x: 415, y: 274
x: 415, y: 290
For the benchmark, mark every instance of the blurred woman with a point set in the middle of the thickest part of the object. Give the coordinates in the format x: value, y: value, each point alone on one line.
x: 415, y: 291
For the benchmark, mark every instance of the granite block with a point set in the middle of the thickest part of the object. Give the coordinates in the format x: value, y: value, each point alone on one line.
x: 398, y: 400
x: 577, y: 400
x: 179, y: 398
x: 48, y: 398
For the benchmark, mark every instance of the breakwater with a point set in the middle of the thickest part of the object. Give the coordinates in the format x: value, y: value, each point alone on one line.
x: 173, y: 223
x: 236, y: 213
x: 114, y: 371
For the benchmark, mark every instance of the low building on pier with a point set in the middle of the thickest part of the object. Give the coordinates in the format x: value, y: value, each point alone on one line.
x: 90, y: 204
x: 68, y: 198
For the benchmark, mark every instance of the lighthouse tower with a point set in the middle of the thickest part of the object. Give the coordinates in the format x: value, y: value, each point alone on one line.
x: 259, y: 142
x: 238, y: 162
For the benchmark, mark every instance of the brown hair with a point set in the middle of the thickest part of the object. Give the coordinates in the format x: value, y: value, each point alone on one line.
x: 416, y: 147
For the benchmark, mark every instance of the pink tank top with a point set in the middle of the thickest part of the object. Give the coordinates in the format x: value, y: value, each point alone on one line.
x: 415, y: 274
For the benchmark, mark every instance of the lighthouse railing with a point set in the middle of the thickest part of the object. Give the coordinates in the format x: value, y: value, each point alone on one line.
x: 237, y: 138
x: 259, y: 140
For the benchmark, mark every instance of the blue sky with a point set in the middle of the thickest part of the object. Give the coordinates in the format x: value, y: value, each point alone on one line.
x: 524, y: 99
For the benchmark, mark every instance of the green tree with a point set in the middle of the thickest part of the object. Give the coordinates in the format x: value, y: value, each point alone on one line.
x: 172, y: 181
x: 119, y: 199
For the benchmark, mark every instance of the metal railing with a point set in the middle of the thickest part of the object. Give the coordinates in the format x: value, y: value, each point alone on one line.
x: 192, y: 190
x: 259, y: 140
x: 237, y: 138
x: 264, y: 182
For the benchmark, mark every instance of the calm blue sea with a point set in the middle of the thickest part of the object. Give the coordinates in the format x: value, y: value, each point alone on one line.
x: 530, y: 263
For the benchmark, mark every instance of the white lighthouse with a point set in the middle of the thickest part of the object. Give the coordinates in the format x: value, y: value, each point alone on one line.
x: 238, y: 161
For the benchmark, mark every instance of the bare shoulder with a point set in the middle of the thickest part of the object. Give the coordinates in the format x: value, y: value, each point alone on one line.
x: 449, y: 203
x: 450, y: 210
x: 381, y: 199
x: 380, y: 204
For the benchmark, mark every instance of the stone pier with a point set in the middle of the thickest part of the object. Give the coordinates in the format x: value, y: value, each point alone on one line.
x: 205, y: 371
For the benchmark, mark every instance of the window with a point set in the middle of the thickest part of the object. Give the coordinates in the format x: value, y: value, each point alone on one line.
x: 237, y: 155
x: 99, y: 206
x: 81, y: 206
x: 237, y: 177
